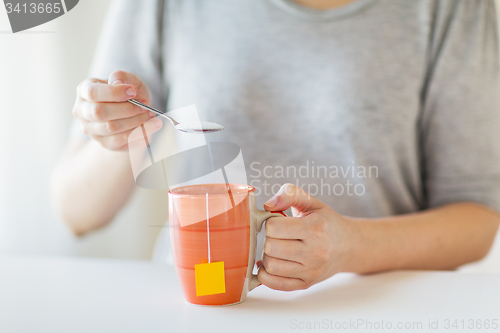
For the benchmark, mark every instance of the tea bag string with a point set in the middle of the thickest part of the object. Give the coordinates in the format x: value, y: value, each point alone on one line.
x: 208, y: 229
x: 223, y: 174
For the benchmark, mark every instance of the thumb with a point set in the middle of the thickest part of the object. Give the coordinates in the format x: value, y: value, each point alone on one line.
x: 290, y: 195
x: 122, y: 77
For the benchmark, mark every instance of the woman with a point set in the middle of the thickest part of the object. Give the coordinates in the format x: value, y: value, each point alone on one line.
x: 407, y: 89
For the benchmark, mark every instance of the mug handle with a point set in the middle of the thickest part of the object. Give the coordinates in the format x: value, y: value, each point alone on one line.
x: 261, y: 217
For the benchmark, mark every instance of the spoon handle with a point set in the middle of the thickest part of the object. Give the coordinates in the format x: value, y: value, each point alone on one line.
x: 158, y: 112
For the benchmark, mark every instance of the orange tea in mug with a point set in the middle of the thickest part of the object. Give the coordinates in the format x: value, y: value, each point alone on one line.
x: 213, y: 230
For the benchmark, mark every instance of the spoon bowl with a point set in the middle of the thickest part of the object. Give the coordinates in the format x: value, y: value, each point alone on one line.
x: 186, y: 127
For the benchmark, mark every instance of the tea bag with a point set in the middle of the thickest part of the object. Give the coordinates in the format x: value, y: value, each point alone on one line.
x: 210, y: 279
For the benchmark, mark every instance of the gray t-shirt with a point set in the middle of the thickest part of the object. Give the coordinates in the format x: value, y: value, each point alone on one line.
x: 380, y: 107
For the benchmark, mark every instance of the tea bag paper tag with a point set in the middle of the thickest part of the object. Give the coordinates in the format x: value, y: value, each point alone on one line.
x: 210, y: 279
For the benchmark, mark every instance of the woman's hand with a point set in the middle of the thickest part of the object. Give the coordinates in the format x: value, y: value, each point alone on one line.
x: 305, y: 249
x: 106, y: 116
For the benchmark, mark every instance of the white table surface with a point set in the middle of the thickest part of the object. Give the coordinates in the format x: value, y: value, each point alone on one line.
x: 41, y: 294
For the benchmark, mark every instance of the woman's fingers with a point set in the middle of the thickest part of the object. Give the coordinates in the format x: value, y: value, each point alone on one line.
x: 283, y: 268
x: 290, y: 195
x: 116, y: 126
x: 279, y: 282
x: 287, y: 249
x: 102, y: 112
x: 106, y: 116
x: 94, y: 90
x: 120, y: 141
x: 286, y: 227
x: 126, y: 78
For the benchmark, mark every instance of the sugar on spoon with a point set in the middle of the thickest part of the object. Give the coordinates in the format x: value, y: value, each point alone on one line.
x: 187, y: 127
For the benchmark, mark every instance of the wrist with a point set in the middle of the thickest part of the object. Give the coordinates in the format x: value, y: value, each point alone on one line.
x: 356, y: 257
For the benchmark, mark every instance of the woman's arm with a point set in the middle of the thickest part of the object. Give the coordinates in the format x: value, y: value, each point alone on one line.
x: 90, y: 184
x: 441, y: 238
x: 318, y: 242
x: 93, y: 178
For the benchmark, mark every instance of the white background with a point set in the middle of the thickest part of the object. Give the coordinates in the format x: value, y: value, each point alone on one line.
x: 39, y: 70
